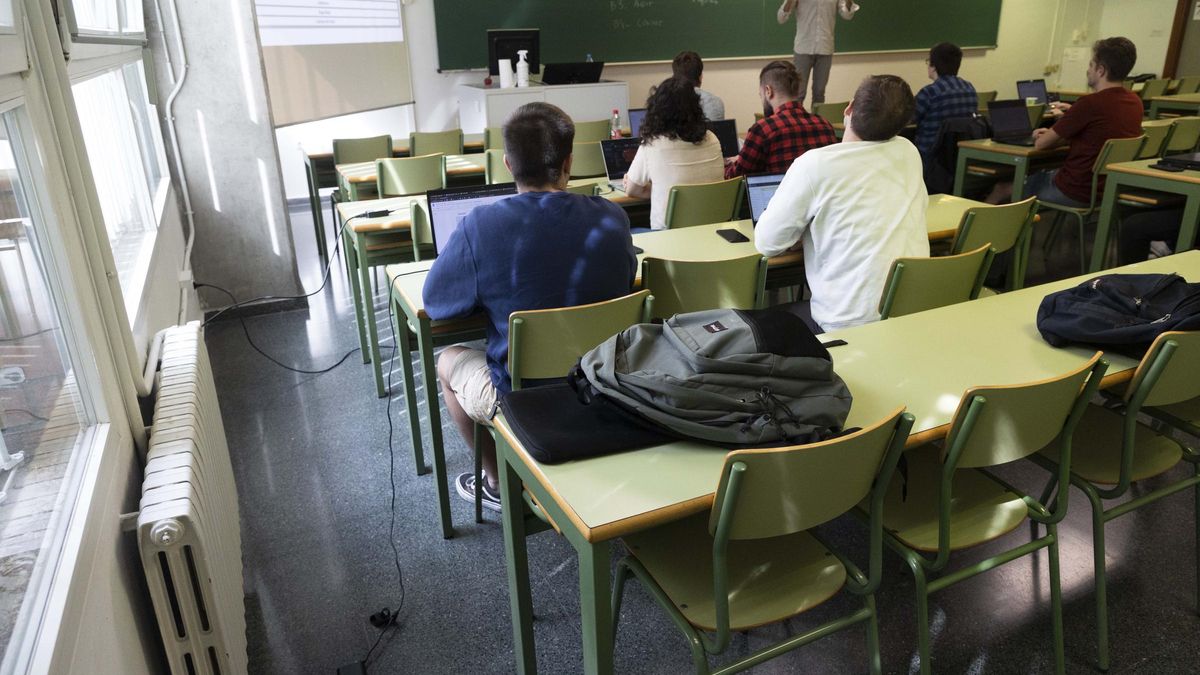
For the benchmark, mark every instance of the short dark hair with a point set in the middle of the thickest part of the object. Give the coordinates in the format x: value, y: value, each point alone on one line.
x: 537, y: 142
x: 882, y: 106
x: 673, y: 111
x: 688, y: 66
x: 1116, y: 55
x: 946, y: 58
x: 782, y: 77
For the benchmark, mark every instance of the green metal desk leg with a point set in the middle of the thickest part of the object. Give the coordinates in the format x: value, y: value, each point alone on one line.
x: 355, y: 294
x: 519, y: 598
x: 404, y: 355
x: 595, y: 610
x: 1154, y: 110
x: 1191, y: 211
x: 960, y: 172
x: 1020, y: 173
x: 314, y: 204
x: 1108, y: 208
x: 429, y: 374
x: 365, y: 287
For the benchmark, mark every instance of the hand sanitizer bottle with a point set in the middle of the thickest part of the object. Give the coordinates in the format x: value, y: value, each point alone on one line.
x: 522, y: 68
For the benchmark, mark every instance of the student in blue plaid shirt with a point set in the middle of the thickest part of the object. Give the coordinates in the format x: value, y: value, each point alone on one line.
x: 949, y: 96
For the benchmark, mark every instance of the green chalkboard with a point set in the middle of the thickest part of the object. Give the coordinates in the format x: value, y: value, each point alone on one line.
x: 617, y: 31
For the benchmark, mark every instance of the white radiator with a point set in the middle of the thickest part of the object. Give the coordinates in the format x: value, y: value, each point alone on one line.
x: 187, y: 526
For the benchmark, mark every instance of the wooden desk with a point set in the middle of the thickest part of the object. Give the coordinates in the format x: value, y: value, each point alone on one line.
x: 319, y: 171
x: 1183, y: 103
x: 1019, y: 157
x: 370, y: 242
x: 353, y: 176
x: 1126, y: 175
x: 407, y: 284
x: 908, y: 360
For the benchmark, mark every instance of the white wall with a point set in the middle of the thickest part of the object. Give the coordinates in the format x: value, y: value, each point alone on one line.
x: 318, y: 135
x: 1147, y: 23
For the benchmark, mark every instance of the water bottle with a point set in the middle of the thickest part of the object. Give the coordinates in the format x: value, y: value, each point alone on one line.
x: 614, y: 130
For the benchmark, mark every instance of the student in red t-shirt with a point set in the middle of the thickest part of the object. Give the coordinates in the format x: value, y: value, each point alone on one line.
x: 1112, y: 111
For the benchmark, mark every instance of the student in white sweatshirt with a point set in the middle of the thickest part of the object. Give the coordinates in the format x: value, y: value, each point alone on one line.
x: 854, y: 207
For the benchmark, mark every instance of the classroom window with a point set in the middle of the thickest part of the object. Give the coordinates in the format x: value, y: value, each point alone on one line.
x: 124, y: 148
x: 106, y: 21
x: 44, y: 413
x: 6, y: 16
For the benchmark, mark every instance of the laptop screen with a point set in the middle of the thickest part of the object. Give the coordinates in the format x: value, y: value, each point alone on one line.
x: 618, y: 155
x: 1032, y: 89
x: 760, y: 189
x: 726, y: 132
x: 1010, y: 119
x: 448, y: 208
x: 636, y: 115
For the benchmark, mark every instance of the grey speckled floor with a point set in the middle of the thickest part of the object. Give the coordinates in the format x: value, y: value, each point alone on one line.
x: 311, y: 458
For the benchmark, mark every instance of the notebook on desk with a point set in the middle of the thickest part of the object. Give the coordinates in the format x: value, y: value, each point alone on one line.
x: 1010, y: 122
x: 448, y: 208
x: 618, y: 157
x: 726, y: 133
x: 759, y: 190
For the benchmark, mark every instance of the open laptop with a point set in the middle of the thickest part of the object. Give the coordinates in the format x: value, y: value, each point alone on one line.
x: 1010, y: 122
x: 448, y: 208
x: 636, y: 115
x: 726, y: 133
x: 759, y: 190
x: 1189, y: 160
x: 1034, y: 89
x: 618, y: 156
x: 581, y: 72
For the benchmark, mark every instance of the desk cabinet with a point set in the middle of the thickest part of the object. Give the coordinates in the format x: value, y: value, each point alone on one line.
x: 480, y: 107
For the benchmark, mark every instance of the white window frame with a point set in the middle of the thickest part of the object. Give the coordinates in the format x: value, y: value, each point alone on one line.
x: 12, y: 42
x: 89, y: 35
x: 38, y: 624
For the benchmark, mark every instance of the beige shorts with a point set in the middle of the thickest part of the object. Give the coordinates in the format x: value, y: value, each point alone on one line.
x: 471, y: 382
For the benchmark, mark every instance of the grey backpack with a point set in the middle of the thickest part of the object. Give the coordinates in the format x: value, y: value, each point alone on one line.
x: 726, y: 376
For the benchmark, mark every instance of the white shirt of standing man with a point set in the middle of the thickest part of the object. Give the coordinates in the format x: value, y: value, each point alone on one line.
x: 815, y: 21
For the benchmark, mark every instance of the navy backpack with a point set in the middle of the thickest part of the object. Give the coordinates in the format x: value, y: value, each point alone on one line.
x: 1122, y: 313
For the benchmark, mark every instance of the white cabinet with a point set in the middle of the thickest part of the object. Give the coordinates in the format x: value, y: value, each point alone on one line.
x: 480, y: 106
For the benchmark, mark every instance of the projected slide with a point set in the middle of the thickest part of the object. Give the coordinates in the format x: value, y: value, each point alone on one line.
x: 325, y: 22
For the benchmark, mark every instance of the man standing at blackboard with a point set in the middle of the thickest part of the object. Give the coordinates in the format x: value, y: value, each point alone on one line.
x: 813, y: 49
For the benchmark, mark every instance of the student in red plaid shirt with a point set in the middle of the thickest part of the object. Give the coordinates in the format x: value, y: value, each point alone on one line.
x: 786, y: 130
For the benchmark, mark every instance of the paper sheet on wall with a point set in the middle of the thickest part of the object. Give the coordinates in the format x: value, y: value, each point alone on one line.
x: 328, y: 22
x: 1073, y: 76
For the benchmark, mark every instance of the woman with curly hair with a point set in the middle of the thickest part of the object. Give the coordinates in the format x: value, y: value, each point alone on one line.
x: 677, y: 148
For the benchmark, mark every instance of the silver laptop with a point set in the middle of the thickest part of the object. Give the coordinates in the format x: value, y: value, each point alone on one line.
x: 759, y: 190
x: 618, y: 157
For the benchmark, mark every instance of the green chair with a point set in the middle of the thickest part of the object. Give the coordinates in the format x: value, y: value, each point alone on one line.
x: 917, y: 284
x: 1006, y: 227
x: 984, y: 98
x: 831, y: 112
x: 403, y: 176
x: 593, y: 132
x: 1114, y: 451
x: 1115, y: 150
x: 546, y: 343
x: 1189, y: 85
x: 587, y: 189
x: 1156, y: 136
x: 949, y: 501
x: 1184, y: 136
x: 493, y: 138
x: 1153, y: 89
x: 755, y: 558
x: 682, y: 286
x: 494, y: 169
x: 587, y: 160
x: 432, y: 142
x: 353, y: 151
x: 704, y: 203
x: 1036, y: 112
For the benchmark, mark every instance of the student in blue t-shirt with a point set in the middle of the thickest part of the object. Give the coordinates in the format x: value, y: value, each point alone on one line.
x: 541, y: 249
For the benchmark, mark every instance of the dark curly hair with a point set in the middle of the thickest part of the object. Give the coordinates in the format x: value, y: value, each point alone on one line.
x: 673, y: 111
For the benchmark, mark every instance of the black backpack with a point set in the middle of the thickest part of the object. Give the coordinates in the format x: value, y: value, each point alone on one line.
x: 1122, y: 313
x: 943, y: 160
